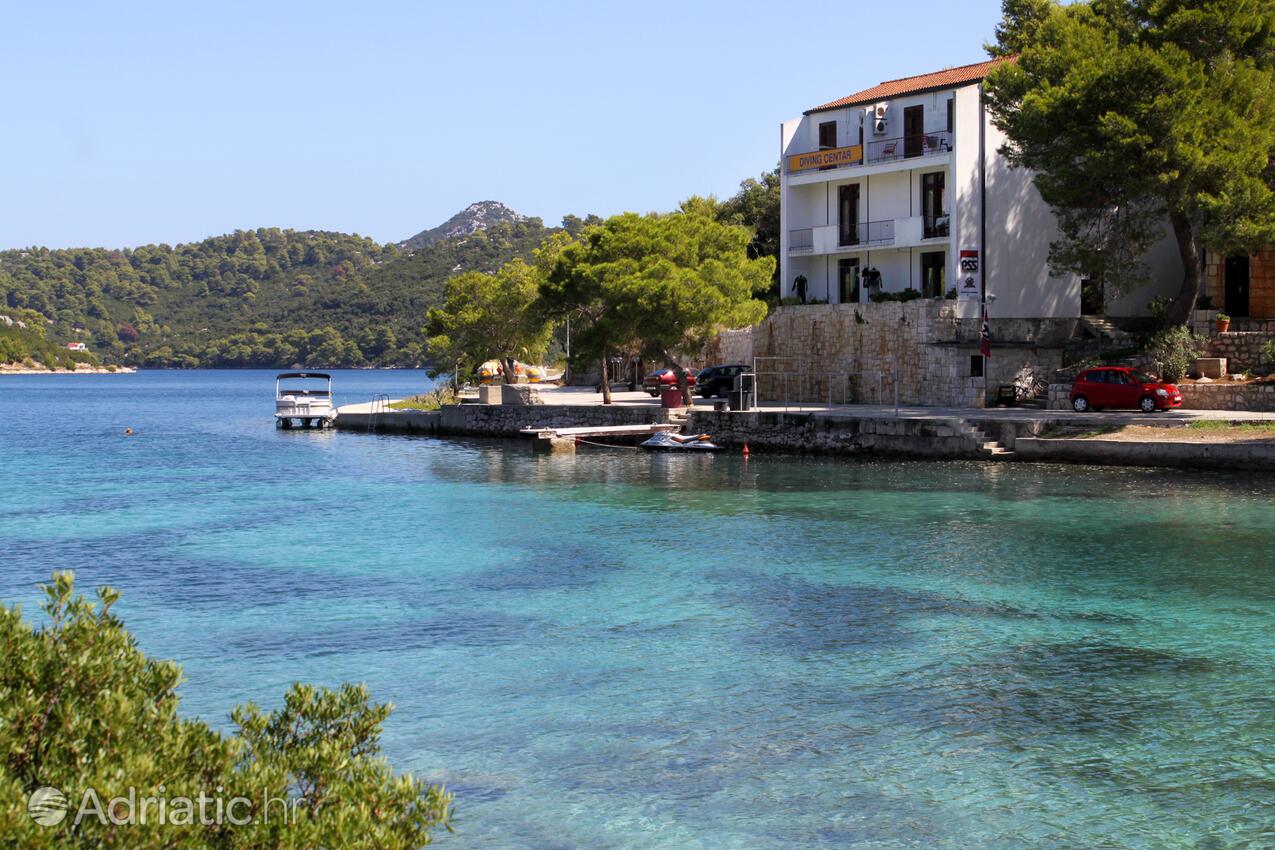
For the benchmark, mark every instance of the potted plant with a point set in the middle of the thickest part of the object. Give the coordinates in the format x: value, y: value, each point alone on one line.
x: 1223, y: 323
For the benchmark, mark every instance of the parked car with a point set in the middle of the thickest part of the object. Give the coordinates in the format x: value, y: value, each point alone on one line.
x: 661, y: 378
x: 1120, y: 386
x: 717, y: 380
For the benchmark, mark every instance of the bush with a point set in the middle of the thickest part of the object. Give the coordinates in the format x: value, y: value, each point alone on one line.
x: 1172, y: 351
x: 87, y: 713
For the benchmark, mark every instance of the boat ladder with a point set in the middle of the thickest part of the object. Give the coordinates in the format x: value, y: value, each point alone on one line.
x: 380, y: 404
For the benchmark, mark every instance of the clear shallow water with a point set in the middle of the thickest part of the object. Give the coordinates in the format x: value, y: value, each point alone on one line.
x: 619, y: 650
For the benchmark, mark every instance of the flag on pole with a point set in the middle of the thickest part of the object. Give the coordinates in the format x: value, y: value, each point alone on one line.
x: 985, y: 346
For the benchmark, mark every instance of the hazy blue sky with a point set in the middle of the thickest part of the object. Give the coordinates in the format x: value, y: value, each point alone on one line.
x: 133, y: 123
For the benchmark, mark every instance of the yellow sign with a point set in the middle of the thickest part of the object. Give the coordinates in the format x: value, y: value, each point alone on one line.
x: 852, y: 155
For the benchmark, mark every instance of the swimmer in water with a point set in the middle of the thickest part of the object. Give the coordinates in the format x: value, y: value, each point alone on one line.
x: 128, y: 432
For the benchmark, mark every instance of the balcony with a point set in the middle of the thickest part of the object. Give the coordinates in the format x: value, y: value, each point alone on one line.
x: 834, y: 238
x: 891, y: 232
x: 873, y: 152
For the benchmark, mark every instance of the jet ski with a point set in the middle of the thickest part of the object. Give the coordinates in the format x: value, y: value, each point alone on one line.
x: 666, y: 442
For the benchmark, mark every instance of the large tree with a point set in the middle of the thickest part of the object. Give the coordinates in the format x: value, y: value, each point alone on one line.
x: 663, y: 282
x: 489, y: 315
x: 756, y: 206
x: 1137, y: 114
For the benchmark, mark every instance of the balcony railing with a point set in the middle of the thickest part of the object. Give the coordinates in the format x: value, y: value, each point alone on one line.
x: 907, y: 147
x: 802, y: 239
x: 877, y: 150
x: 867, y: 233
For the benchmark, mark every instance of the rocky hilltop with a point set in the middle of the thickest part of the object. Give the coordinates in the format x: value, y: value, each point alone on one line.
x: 475, y: 217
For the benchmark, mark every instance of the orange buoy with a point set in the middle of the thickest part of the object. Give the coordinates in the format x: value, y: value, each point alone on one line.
x: 746, y: 452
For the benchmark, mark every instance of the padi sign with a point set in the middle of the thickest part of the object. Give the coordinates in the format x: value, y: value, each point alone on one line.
x: 970, y: 285
x: 829, y: 158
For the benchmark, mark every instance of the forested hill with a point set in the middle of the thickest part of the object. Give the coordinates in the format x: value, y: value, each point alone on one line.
x: 265, y: 297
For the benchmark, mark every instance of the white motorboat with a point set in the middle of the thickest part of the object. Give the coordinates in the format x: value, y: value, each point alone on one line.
x: 300, y: 402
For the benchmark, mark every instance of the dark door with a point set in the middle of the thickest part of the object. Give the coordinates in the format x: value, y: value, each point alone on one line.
x: 848, y: 281
x: 932, y: 205
x: 848, y: 214
x: 1236, y: 270
x: 934, y: 274
x: 913, y: 130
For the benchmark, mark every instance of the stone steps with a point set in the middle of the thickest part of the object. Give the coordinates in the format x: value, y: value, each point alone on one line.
x: 1104, y: 329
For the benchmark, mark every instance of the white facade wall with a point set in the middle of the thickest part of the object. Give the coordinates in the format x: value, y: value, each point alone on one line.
x: 1013, y: 237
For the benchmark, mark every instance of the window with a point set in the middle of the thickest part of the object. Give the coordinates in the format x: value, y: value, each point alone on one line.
x: 951, y: 114
x: 827, y: 139
x: 933, y: 204
x: 976, y: 365
x: 827, y: 135
x: 848, y: 281
x: 933, y: 274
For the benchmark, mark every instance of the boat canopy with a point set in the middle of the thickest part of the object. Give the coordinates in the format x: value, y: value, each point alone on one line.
x: 323, y: 376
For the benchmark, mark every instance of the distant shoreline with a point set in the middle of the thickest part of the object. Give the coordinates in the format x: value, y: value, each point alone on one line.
x: 88, y: 370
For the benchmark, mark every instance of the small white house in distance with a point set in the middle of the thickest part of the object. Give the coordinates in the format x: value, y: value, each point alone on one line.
x: 890, y: 186
x: 77, y: 346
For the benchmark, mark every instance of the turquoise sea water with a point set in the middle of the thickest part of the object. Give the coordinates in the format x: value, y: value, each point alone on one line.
x: 617, y: 650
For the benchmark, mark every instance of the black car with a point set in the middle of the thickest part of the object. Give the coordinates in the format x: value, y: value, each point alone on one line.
x: 717, y: 380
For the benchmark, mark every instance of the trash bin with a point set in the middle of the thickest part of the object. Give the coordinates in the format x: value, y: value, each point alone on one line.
x: 743, y: 396
x: 671, y: 397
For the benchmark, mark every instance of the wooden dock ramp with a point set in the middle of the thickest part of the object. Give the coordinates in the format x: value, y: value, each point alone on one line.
x: 565, y: 439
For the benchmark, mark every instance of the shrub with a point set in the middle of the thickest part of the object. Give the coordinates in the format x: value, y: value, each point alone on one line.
x: 1172, y: 351
x: 87, y: 713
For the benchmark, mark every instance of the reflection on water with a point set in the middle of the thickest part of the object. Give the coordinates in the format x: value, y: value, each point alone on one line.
x: 617, y: 649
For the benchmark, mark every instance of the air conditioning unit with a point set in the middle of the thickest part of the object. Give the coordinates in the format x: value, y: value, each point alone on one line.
x: 880, y: 119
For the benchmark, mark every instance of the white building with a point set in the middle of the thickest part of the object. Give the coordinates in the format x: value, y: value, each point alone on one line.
x: 904, y: 177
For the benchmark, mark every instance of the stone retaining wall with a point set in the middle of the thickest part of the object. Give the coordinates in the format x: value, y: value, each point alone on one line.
x: 1257, y: 455
x: 1248, y: 396
x: 1242, y: 350
x: 483, y: 420
x: 805, y: 432
x: 859, y: 352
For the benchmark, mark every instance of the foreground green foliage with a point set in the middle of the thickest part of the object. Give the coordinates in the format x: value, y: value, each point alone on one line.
x: 1137, y: 115
x: 82, y: 708
x: 267, y: 297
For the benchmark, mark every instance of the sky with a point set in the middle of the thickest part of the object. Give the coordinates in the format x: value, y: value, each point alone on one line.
x: 131, y: 123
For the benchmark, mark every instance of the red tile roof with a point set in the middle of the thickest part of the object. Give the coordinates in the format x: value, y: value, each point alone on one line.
x: 947, y: 78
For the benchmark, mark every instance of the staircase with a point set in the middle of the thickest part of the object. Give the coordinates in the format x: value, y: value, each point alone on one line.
x: 1104, y: 329
x: 986, y: 447
x: 678, y: 416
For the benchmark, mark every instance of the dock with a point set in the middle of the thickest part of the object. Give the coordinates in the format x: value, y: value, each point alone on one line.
x: 565, y: 439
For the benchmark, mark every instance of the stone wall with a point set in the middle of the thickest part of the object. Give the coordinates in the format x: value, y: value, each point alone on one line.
x: 482, y: 420
x: 1247, y: 396
x: 733, y: 346
x: 1243, y: 350
x: 858, y: 352
x: 805, y: 432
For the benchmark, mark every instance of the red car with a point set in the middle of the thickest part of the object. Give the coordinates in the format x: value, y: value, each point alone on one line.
x: 1120, y: 386
x: 661, y: 378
